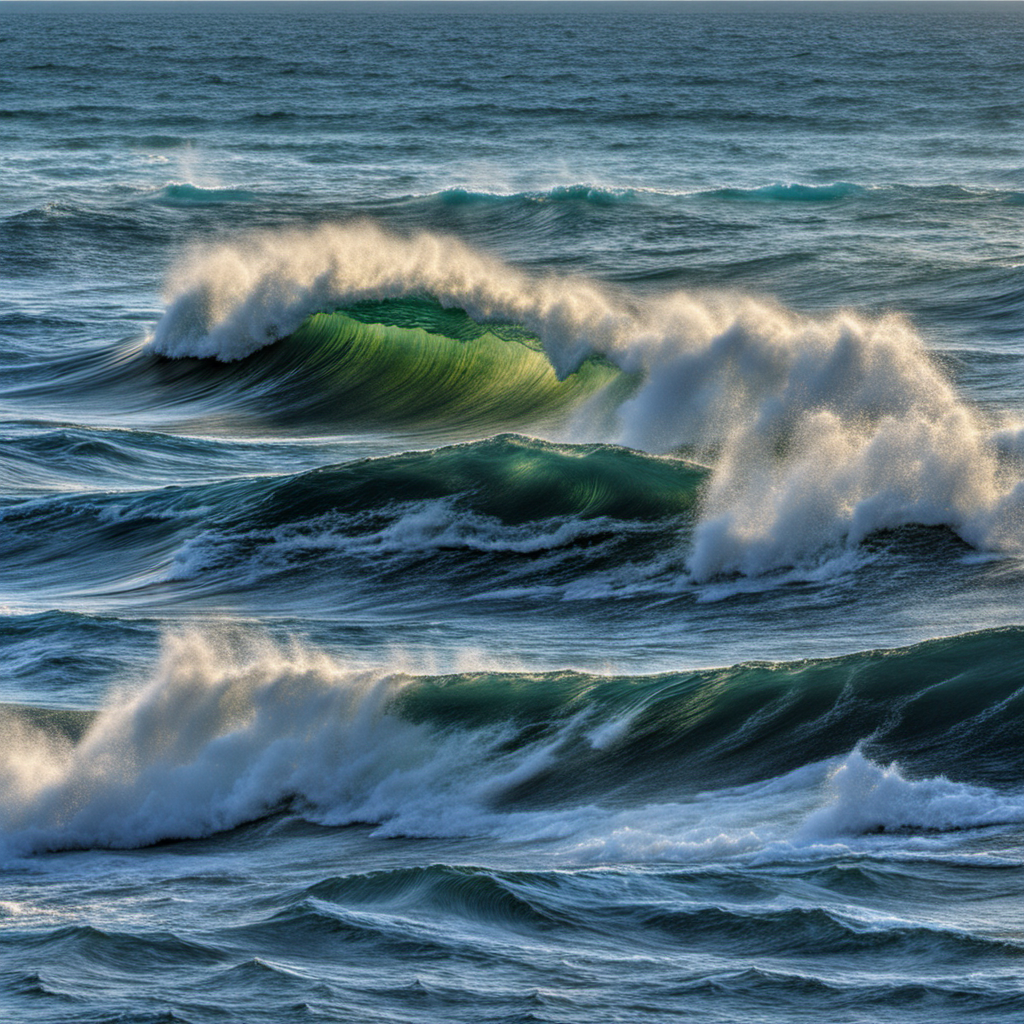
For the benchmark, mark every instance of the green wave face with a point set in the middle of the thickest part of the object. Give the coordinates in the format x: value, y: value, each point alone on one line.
x: 513, y: 479
x: 412, y: 361
x: 948, y: 702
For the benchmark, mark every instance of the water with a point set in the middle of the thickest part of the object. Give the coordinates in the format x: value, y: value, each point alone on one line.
x: 511, y: 512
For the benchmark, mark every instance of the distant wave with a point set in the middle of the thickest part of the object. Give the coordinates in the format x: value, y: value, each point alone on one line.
x: 184, y: 193
x: 566, y: 199
x: 603, y: 195
x: 791, y: 193
x: 592, y: 194
x: 822, y: 430
x: 228, y: 731
x: 578, y: 193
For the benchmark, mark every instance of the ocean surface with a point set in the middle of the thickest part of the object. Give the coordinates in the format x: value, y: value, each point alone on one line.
x: 511, y: 513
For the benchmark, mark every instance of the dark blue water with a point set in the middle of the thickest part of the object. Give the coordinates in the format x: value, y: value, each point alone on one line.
x: 511, y: 512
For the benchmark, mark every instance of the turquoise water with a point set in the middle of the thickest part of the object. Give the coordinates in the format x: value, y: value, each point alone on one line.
x: 511, y: 512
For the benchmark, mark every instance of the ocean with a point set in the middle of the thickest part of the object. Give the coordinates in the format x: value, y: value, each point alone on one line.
x: 511, y: 512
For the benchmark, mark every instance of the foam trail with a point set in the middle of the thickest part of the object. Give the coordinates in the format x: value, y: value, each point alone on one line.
x: 822, y: 430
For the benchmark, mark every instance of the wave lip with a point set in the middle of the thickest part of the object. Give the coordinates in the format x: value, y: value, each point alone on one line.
x: 228, y: 301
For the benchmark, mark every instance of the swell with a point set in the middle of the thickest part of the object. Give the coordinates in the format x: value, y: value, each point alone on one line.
x: 506, y: 494
x: 47, y: 457
x: 940, y: 705
x: 781, y: 758
x: 443, y: 913
x: 584, y: 907
x: 511, y: 478
x: 775, y: 192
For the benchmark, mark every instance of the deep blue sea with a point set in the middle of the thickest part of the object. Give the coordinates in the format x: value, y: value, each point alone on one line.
x: 511, y: 512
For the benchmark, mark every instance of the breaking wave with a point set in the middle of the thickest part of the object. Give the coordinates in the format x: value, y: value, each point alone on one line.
x: 758, y: 759
x: 820, y: 430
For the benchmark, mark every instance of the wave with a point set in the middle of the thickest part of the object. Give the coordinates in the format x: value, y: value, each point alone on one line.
x: 432, y: 906
x: 508, y: 495
x: 412, y: 361
x: 778, y: 192
x: 791, y: 193
x: 184, y: 193
x: 756, y: 760
x: 579, y: 193
x: 483, y: 513
x: 821, y: 430
x: 511, y: 478
x: 232, y: 300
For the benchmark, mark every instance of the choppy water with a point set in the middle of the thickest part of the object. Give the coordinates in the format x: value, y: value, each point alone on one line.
x: 511, y: 512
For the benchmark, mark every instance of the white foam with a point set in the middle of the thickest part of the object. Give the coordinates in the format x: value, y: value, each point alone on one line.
x: 229, y: 729
x: 1009, y: 441
x: 437, y: 524
x: 866, y: 798
x: 609, y: 733
x: 227, y: 301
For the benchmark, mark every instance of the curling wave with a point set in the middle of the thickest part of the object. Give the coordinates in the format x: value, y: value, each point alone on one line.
x: 821, y: 430
x: 412, y: 361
